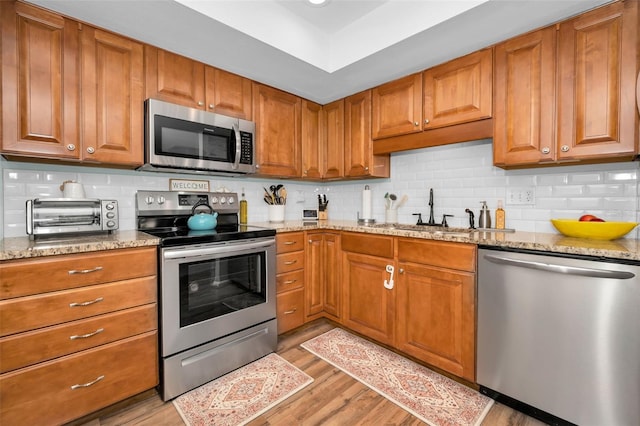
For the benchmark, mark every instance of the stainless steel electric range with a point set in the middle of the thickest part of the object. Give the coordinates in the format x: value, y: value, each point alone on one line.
x: 217, y: 288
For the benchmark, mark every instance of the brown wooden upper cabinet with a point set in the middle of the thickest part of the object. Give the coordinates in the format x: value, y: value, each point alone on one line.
x: 181, y: 80
x: 322, y: 140
x: 397, y: 107
x: 359, y: 160
x: 578, y: 106
x: 459, y: 91
x: 278, y: 131
x: 40, y: 83
x: 58, y: 73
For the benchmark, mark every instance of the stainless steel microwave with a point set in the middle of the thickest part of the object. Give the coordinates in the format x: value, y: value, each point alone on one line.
x: 188, y: 140
x: 48, y: 217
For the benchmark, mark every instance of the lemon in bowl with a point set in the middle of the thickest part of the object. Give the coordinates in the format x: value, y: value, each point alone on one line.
x: 593, y: 230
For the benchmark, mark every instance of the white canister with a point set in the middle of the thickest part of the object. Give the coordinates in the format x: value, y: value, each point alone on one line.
x: 276, y: 213
x: 72, y: 190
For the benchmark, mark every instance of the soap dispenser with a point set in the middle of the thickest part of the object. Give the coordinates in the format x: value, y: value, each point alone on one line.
x: 485, y: 216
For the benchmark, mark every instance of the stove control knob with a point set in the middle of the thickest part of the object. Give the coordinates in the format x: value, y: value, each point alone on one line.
x: 230, y: 200
x: 149, y: 200
x: 214, y: 200
x: 161, y: 200
x: 223, y: 200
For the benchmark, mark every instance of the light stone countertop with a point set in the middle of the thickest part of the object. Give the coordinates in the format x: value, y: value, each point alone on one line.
x: 23, y: 247
x: 624, y: 248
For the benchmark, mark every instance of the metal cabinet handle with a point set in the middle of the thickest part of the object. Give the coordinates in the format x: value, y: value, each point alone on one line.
x: 211, y: 106
x: 426, y: 121
x: 85, y: 336
x: 91, y: 150
x: 290, y: 312
x: 564, y: 148
x: 200, y: 103
x: 289, y: 243
x: 401, y: 271
x: 291, y: 262
x: 86, y: 385
x: 90, y: 302
x: 71, y: 147
x: 85, y: 271
x: 546, y: 150
x: 290, y: 281
x: 416, y: 123
x: 367, y: 168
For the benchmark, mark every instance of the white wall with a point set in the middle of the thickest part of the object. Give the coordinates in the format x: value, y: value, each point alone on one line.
x: 461, y: 175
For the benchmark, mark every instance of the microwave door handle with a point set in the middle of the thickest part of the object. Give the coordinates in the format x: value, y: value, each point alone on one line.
x: 29, y: 217
x: 236, y: 132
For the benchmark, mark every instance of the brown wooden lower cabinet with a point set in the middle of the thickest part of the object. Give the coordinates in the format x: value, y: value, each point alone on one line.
x: 290, y: 280
x: 58, y: 391
x: 428, y: 312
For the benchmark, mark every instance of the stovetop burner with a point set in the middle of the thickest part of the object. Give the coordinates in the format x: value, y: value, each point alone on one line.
x: 164, y: 214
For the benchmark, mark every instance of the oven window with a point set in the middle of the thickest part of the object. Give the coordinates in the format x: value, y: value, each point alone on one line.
x: 216, y: 287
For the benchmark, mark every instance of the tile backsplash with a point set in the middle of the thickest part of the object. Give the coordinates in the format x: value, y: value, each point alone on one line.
x: 461, y: 175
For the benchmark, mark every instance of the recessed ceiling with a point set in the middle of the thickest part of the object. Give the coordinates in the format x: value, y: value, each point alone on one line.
x: 321, y: 53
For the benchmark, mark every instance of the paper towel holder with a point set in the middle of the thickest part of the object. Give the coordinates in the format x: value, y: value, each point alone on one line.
x: 363, y: 221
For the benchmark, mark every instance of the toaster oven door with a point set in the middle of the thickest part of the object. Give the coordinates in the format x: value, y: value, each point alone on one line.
x: 63, y: 216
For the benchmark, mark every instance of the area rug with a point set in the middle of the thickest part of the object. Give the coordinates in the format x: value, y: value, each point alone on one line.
x: 242, y: 395
x: 431, y: 397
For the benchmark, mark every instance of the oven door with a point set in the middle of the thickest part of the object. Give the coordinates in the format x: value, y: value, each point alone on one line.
x: 212, y: 290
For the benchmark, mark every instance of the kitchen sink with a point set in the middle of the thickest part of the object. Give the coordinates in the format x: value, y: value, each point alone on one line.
x: 436, y: 230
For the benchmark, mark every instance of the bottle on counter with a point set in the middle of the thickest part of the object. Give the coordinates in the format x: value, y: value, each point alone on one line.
x: 243, y: 209
x: 500, y: 216
x: 485, y: 216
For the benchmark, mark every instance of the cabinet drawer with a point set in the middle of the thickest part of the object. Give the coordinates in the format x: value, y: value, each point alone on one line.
x: 438, y: 253
x: 43, y: 394
x: 29, y: 348
x: 290, y: 311
x: 374, y: 245
x: 290, y: 241
x: 26, y: 277
x: 28, y: 313
x: 290, y: 280
x: 289, y: 262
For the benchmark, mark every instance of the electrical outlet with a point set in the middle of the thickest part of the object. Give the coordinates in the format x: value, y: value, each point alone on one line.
x: 521, y: 196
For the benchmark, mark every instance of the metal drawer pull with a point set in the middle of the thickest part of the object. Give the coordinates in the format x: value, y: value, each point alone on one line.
x: 86, y: 385
x: 291, y: 262
x: 84, y: 336
x: 290, y: 312
x: 290, y: 281
x: 85, y: 271
x: 289, y: 243
x: 90, y: 302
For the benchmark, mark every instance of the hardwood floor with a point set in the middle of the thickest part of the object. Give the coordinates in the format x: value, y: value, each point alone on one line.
x: 334, y: 398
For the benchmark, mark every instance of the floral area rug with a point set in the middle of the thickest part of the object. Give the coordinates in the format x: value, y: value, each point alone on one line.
x: 433, y: 398
x: 242, y: 395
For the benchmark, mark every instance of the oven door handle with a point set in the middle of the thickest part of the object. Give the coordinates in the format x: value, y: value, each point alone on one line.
x: 216, y: 249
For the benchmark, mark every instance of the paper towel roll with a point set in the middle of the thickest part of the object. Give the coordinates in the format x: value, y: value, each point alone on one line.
x: 366, y: 203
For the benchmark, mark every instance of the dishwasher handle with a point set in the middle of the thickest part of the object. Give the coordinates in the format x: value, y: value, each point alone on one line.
x: 561, y: 269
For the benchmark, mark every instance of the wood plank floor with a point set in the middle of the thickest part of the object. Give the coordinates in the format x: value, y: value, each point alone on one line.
x: 334, y: 398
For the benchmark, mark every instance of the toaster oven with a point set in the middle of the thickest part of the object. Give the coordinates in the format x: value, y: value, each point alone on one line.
x: 58, y: 216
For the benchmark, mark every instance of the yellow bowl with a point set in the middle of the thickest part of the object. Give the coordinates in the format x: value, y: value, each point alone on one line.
x: 593, y: 230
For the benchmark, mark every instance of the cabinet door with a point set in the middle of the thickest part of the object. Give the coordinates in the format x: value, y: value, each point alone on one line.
x: 277, y: 116
x: 369, y: 306
x: 458, y: 91
x: 332, y: 275
x: 174, y: 78
x: 597, y: 74
x: 525, y: 99
x: 397, y: 107
x: 40, y: 76
x: 359, y: 160
x: 435, y: 319
x: 315, y: 268
x: 312, y: 140
x: 112, y: 98
x: 228, y: 93
x: 333, y: 138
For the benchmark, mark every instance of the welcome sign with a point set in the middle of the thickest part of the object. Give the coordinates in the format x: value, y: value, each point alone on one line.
x: 188, y: 185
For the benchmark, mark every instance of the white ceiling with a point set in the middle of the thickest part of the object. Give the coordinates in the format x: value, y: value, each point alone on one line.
x: 321, y: 53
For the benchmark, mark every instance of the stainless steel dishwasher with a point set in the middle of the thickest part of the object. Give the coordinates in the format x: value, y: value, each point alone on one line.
x: 559, y: 337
